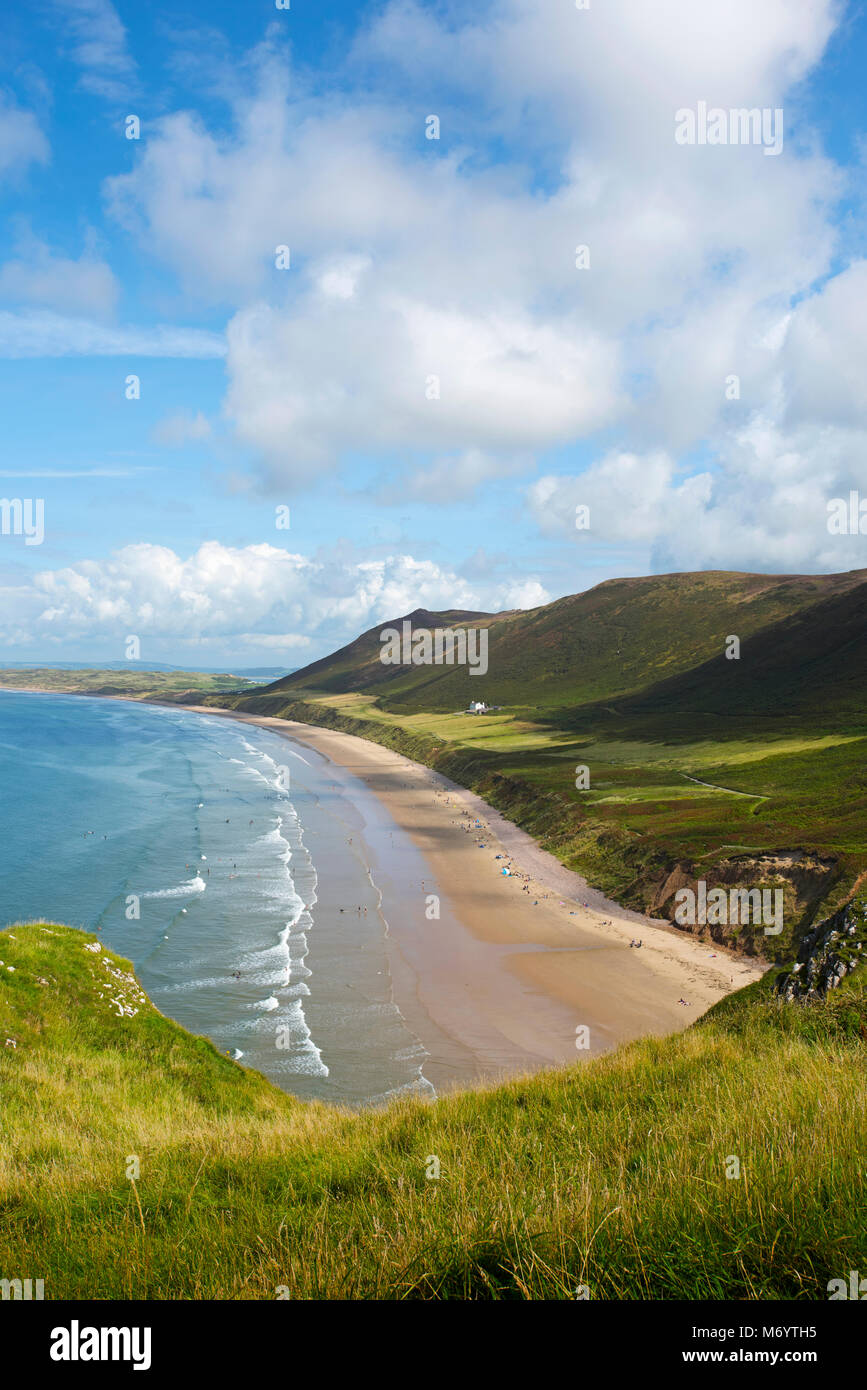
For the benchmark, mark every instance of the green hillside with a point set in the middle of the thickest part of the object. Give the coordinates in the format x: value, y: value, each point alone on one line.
x: 357, y: 666
x: 619, y: 637
x: 137, y: 1162
x: 747, y: 771
x: 810, y: 664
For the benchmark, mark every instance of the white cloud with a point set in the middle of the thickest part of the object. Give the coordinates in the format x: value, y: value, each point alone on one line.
x: 39, y: 276
x: 730, y: 52
x: 279, y: 641
x: 258, y: 595
x: 182, y: 428
x: 423, y: 260
x: 97, y: 44
x: 454, y: 477
x: 305, y: 387
x: 340, y: 279
x: 823, y: 354
x: 21, y: 139
x: 525, y: 593
x: 761, y: 502
x: 761, y: 506
x: 40, y: 333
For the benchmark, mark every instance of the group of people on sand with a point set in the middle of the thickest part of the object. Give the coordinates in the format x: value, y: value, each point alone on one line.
x: 471, y: 824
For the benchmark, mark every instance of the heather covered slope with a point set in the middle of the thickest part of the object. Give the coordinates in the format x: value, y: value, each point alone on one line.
x: 812, y: 664
x: 137, y: 1162
x: 738, y: 771
x: 357, y: 666
x: 620, y: 637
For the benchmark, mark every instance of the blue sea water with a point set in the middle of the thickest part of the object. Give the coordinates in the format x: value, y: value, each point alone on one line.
x: 226, y: 863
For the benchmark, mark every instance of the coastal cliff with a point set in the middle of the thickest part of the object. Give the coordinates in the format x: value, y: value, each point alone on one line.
x: 830, y: 952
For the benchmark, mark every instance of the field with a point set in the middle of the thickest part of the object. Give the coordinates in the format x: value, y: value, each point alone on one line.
x: 663, y: 793
x: 137, y: 1162
x: 132, y: 685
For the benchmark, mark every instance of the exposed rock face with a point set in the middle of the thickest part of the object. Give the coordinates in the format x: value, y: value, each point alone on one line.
x: 828, y: 953
x: 804, y: 877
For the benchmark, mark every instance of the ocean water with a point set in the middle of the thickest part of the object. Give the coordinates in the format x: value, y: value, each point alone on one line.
x: 229, y: 865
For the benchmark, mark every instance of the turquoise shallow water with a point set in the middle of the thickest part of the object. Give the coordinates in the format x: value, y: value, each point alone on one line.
x: 227, y: 864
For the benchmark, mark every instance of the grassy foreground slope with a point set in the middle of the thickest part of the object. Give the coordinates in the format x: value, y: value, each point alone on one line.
x: 609, y: 1174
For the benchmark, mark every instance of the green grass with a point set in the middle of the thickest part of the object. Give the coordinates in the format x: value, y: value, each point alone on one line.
x: 789, y: 786
x: 609, y: 1173
x: 132, y: 685
x: 620, y: 638
x: 631, y: 679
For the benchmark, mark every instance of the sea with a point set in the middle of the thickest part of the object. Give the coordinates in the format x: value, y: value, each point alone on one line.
x: 233, y: 867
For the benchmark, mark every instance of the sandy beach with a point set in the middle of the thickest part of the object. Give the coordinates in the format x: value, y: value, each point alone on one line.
x: 516, y: 963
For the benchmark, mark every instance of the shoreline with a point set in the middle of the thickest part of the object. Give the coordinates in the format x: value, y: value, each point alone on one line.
x: 517, y: 955
x: 501, y: 978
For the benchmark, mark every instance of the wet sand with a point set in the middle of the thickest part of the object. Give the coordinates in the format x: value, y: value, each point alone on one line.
x: 521, y: 961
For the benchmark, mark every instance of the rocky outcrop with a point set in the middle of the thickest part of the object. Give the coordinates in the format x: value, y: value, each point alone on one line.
x: 828, y: 954
x: 805, y: 878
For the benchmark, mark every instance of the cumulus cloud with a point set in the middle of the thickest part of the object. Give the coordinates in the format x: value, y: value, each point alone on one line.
x: 258, y: 595
x: 434, y: 315
x: 761, y: 502
x: 304, y: 388
x: 417, y: 261
x: 570, y: 60
x: 823, y: 353
x: 762, y: 506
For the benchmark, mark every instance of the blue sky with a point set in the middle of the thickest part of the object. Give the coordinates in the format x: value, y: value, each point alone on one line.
x: 412, y: 260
